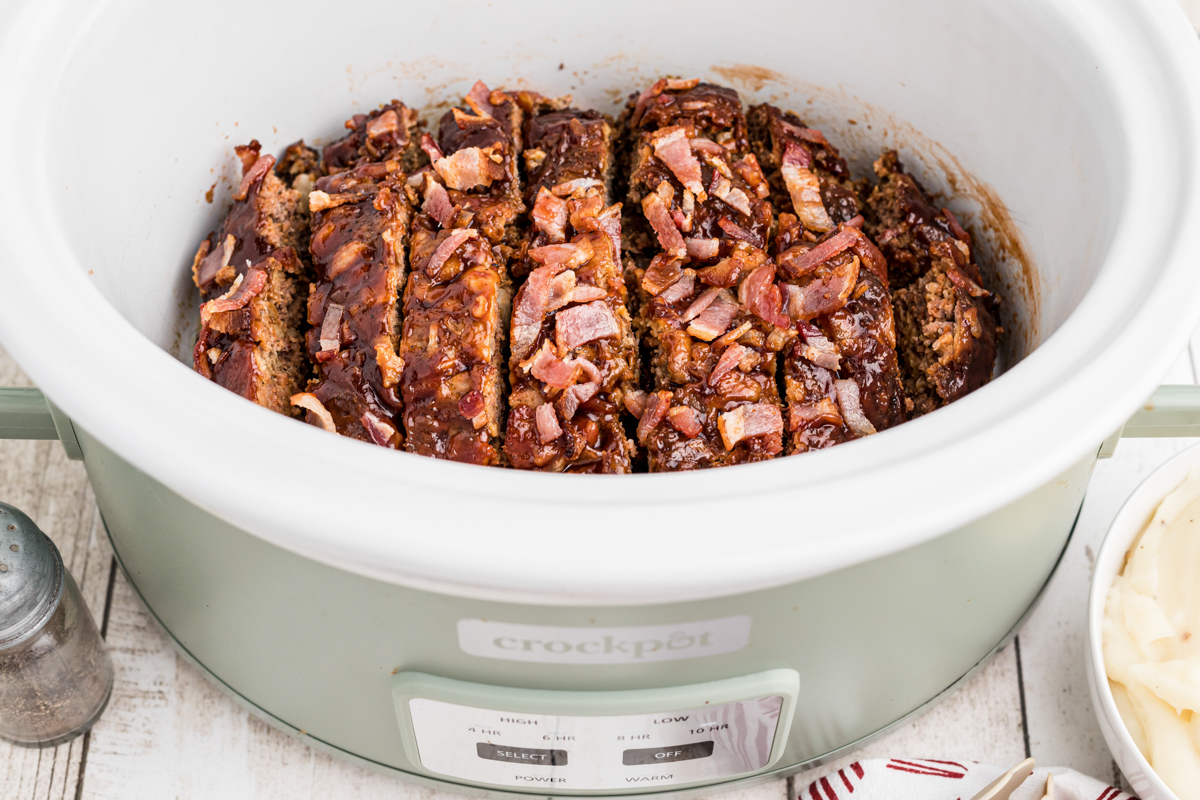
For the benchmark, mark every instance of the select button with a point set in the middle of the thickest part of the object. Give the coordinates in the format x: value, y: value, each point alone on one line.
x: 662, y: 755
x: 526, y: 755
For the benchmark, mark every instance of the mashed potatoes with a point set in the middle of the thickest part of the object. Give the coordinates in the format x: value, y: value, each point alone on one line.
x: 1152, y: 640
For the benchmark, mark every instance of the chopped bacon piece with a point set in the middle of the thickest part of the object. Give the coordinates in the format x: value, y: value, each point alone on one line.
x: 547, y: 423
x: 479, y: 99
x: 437, y: 202
x: 588, y: 368
x: 662, y: 272
x: 685, y: 420
x: 550, y: 215
x: 659, y: 217
x: 582, y: 324
x: 562, y: 290
x: 855, y: 222
x: 826, y: 411
x: 586, y: 294
x: 759, y: 293
x: 455, y: 240
x: 385, y: 123
x: 643, y: 101
x: 655, y: 412
x: 468, y: 168
x: 960, y: 279
x: 568, y: 188
x: 748, y: 167
x: 733, y: 335
x: 243, y: 288
x: 851, y: 407
x: 957, y: 229
x: 738, y: 232
x: 431, y: 149
x: 568, y: 255
x: 380, y: 432
x: 672, y: 148
x: 738, y: 201
x: 330, y: 339
x: 313, y: 405
x: 804, y: 188
x: 473, y: 407
x: 574, y: 397
x: 680, y: 289
x: 704, y: 145
x: 702, y: 302
x: 635, y: 402
x: 817, y: 347
x: 826, y: 294
x: 715, y: 319
x: 798, y: 261
x: 255, y: 173
x: 547, y: 367
x: 701, y: 249
x: 728, y: 360
x: 748, y: 421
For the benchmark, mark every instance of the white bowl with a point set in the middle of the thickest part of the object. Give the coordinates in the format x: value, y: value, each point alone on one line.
x: 1130, y: 521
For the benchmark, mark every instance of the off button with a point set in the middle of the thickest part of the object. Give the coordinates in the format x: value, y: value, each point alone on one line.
x: 521, y: 755
x: 662, y: 755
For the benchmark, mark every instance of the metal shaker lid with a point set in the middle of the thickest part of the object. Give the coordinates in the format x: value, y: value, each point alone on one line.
x: 31, y: 577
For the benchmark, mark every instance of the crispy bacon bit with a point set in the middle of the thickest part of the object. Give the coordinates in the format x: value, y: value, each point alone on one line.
x: 748, y: 421
x: 759, y: 293
x: 855, y: 222
x: 437, y: 202
x: 817, y: 348
x: 959, y: 232
x: 574, y: 397
x: 733, y: 335
x: 708, y: 147
x: 464, y: 120
x: 728, y: 360
x: 455, y: 240
x: 635, y: 402
x: 799, y: 262
x: 654, y: 413
x: 823, y: 412
x: 659, y: 217
x: 331, y: 326
x: 826, y: 294
x: 588, y: 368
x: 866, y: 250
x: 316, y: 408
x: 672, y: 148
x: 682, y: 84
x: 380, y: 432
x: 562, y: 290
x: 391, y: 366
x: 431, y: 149
x: 738, y: 232
x: 472, y: 407
x: 531, y: 307
x: 851, y: 407
x: 550, y: 215
x: 468, y: 168
x: 564, y: 256
x: 609, y: 223
x: 252, y: 175
x: 752, y: 174
x: 685, y: 420
x: 574, y: 187
x: 737, y: 200
x: 243, y: 288
x: 385, y: 123
x: 547, y: 423
x: 960, y: 279
x: 702, y: 302
x: 680, y: 289
x: 479, y: 100
x: 661, y: 273
x: 805, y: 189
x: 547, y: 367
x: 586, y: 294
x: 727, y: 271
x: 701, y: 249
x: 582, y: 324
x: 715, y: 319
x: 643, y: 101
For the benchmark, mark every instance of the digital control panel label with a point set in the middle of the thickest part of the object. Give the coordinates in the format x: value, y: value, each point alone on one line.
x: 595, y: 752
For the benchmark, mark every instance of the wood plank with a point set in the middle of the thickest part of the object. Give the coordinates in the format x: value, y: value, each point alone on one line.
x: 38, y: 478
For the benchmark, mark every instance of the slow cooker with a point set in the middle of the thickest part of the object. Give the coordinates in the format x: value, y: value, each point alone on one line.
x: 483, y: 629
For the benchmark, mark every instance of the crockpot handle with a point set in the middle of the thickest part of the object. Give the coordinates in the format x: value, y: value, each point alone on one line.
x: 25, y: 413
x: 1171, y: 411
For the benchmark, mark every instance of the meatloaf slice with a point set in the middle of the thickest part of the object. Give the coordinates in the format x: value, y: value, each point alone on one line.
x: 841, y: 376
x: 253, y: 284
x: 386, y: 134
x: 458, y: 298
x: 947, y: 330
x: 710, y: 311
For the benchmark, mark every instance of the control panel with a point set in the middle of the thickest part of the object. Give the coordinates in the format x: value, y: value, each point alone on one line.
x: 581, y: 742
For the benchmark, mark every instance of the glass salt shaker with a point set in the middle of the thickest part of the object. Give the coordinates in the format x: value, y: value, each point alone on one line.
x: 55, y: 673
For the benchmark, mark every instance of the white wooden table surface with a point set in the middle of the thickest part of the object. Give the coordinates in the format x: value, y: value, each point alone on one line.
x: 170, y: 735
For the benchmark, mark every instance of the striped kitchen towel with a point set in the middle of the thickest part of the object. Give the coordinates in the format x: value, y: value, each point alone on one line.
x: 931, y: 779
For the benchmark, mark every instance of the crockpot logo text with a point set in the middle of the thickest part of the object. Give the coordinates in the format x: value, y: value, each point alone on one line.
x: 594, y: 645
